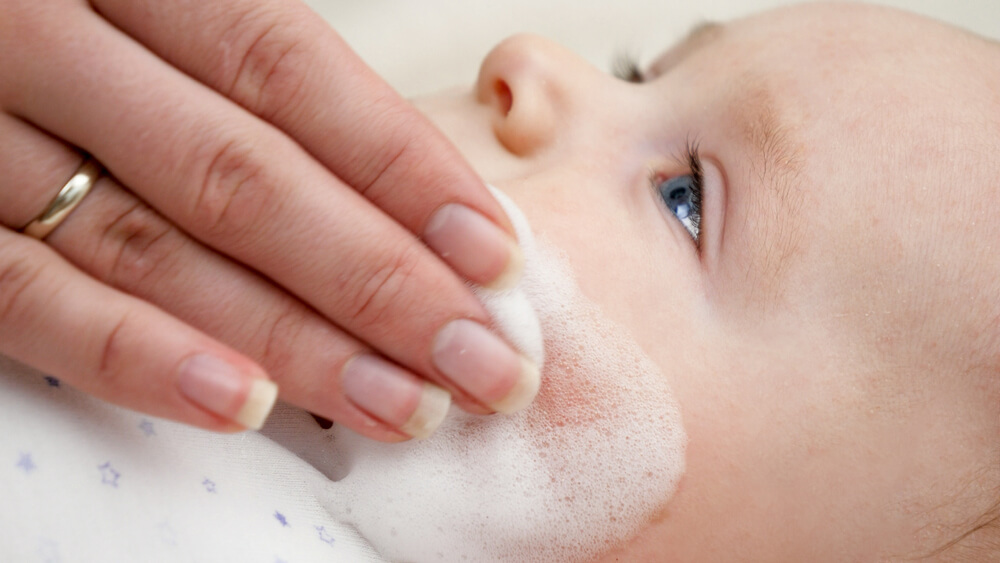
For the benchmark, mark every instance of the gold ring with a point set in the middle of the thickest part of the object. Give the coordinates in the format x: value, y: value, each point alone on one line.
x: 66, y: 200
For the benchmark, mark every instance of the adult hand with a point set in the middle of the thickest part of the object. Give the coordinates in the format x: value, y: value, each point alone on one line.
x: 257, y: 216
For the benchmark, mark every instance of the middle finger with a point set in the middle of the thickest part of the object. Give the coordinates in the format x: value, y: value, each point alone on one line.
x: 242, y: 187
x: 117, y: 239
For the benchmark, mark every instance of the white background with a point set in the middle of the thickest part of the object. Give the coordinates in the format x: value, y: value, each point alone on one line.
x: 421, y: 46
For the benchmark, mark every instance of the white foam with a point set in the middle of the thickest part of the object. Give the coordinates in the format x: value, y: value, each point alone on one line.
x: 597, y: 455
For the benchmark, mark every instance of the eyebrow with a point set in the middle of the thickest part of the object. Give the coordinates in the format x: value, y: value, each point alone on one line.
x: 774, y: 153
x: 700, y: 35
x: 774, y: 168
x: 763, y: 127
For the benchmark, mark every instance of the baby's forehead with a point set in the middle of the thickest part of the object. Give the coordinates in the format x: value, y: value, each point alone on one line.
x: 874, y: 75
x: 844, y: 114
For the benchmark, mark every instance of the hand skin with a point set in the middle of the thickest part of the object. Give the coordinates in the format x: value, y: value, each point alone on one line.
x: 833, y: 340
x: 261, y: 218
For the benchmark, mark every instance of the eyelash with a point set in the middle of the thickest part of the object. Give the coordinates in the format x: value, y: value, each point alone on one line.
x: 693, y: 158
x: 693, y: 161
x: 626, y: 67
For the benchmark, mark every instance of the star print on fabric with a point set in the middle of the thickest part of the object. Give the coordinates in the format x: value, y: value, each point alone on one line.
x: 281, y: 518
x: 324, y: 536
x: 147, y: 427
x: 109, y: 475
x: 53, y: 382
x: 209, y: 485
x: 26, y: 463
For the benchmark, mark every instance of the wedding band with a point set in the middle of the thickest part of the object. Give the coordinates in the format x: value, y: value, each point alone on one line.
x: 66, y: 200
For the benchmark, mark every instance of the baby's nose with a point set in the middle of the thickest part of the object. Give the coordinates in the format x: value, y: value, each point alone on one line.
x: 530, y: 82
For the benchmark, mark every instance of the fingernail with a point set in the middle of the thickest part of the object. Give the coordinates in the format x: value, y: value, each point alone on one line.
x: 474, y: 246
x: 395, y: 396
x: 485, y: 366
x: 227, y: 391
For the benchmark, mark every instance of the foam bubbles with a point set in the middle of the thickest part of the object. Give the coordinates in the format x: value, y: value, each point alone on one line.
x: 584, y: 468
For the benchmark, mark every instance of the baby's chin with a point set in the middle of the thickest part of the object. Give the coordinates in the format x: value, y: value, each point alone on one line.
x: 581, y: 470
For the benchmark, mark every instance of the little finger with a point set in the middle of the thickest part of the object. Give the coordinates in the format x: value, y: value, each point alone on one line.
x: 55, y: 318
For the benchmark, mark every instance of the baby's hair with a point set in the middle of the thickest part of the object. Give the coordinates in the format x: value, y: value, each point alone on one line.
x: 625, y: 65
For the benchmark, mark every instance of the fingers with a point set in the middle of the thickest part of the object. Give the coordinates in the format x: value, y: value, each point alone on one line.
x: 59, y: 320
x: 120, y: 241
x: 124, y: 243
x: 248, y: 191
x: 25, y: 166
x: 282, y: 62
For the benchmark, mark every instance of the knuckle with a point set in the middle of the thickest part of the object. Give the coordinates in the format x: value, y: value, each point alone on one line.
x: 271, y: 60
x: 110, y: 368
x: 377, y: 172
x: 18, y: 272
x: 378, y: 294
x: 137, y: 245
x: 279, y: 336
x: 232, y: 196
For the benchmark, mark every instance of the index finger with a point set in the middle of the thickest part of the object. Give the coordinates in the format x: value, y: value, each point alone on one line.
x: 282, y: 62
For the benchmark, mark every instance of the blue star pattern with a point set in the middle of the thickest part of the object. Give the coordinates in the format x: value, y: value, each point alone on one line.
x: 53, y: 382
x: 26, y: 463
x: 109, y: 475
x: 147, y: 427
x: 324, y: 536
x: 173, y: 489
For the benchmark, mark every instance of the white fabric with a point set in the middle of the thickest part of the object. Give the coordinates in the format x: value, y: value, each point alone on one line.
x: 421, y: 47
x: 81, y: 480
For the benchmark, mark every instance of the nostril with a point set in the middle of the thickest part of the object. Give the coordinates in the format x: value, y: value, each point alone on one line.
x: 504, y: 96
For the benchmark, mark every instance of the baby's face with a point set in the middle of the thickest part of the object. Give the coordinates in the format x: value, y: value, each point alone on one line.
x: 831, y: 336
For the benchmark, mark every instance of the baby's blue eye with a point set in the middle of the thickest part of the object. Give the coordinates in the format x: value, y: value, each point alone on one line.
x: 682, y: 196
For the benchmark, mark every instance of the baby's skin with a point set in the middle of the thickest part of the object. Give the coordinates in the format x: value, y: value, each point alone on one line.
x: 830, y: 327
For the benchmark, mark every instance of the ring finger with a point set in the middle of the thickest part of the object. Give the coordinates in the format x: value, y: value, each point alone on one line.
x: 119, y: 240
x: 59, y: 320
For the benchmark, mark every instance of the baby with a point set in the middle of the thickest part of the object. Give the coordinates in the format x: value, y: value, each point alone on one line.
x: 794, y: 216
x: 772, y: 255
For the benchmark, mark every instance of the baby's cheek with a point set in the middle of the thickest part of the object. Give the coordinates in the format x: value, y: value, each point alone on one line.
x: 561, y: 402
x: 601, y: 397
x: 605, y: 418
x: 584, y: 468
x: 569, y: 397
